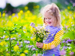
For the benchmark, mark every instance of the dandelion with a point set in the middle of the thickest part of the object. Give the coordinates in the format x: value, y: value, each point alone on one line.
x: 68, y: 7
x: 38, y: 39
x: 22, y: 54
x: 16, y: 48
x: 37, y: 6
x: 2, y: 43
x: 26, y: 7
x: 6, y: 36
x: 28, y: 11
x: 33, y: 39
x: 3, y: 14
x: 10, y: 24
x: 26, y: 51
x: 21, y: 12
x: 13, y: 14
x: 9, y: 16
x: 7, y: 54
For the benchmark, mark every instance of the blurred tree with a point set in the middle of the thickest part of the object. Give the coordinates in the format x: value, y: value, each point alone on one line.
x: 31, y: 5
x: 1, y: 10
x: 9, y: 8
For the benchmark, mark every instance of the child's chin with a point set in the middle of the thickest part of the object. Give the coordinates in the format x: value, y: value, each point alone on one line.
x: 49, y: 24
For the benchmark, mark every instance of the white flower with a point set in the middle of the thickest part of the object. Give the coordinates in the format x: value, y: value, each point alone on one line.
x: 39, y: 28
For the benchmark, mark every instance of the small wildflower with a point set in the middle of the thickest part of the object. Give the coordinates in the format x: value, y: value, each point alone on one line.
x: 71, y: 53
x: 22, y: 54
x: 16, y: 48
x: 63, y: 52
x: 26, y: 51
x: 33, y: 25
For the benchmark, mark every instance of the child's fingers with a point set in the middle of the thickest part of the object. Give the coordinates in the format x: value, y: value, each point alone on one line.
x: 37, y: 43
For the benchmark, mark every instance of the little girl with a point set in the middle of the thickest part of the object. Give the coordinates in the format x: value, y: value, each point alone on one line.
x: 52, y: 22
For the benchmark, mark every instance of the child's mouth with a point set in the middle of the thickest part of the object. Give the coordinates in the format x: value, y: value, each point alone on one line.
x: 49, y: 22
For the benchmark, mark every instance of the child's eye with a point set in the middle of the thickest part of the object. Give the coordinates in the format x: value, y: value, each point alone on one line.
x: 49, y: 18
x: 45, y: 18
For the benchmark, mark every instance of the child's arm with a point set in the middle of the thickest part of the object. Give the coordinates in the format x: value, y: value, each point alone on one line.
x: 54, y: 43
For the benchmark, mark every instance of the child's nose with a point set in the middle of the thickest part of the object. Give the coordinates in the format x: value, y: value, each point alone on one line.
x: 47, y: 19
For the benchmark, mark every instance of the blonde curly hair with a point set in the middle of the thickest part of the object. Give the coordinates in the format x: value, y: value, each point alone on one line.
x: 53, y: 10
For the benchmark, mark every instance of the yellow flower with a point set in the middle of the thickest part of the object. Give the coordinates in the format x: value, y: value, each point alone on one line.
x: 9, y: 16
x: 22, y: 21
x: 24, y: 30
x: 21, y: 11
x: 19, y: 14
x: 22, y: 54
x: 28, y: 11
x: 16, y: 48
x: 26, y: 7
x: 37, y: 6
x: 65, y: 9
x: 68, y: 7
x: 33, y: 39
x: 31, y: 31
x: 13, y: 14
x: 74, y: 15
x: 2, y: 43
x: 10, y: 24
x: 7, y: 54
x: 34, y: 7
x: 25, y: 51
x: 38, y: 39
x: 3, y: 14
x: 1, y: 50
x: 70, y: 12
x: 15, y: 19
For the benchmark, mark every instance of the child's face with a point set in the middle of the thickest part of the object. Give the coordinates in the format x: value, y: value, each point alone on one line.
x: 49, y: 19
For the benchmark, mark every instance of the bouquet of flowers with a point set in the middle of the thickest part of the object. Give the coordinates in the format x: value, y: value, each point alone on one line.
x: 40, y: 33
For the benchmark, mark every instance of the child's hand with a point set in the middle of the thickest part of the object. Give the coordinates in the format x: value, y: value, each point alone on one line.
x: 39, y: 45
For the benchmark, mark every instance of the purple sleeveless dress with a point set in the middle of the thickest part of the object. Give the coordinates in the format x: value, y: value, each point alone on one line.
x: 55, y: 51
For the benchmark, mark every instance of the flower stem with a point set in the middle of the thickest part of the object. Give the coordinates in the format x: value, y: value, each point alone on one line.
x: 10, y: 44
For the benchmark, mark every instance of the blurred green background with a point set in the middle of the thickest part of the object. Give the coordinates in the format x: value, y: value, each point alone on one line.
x: 16, y: 34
